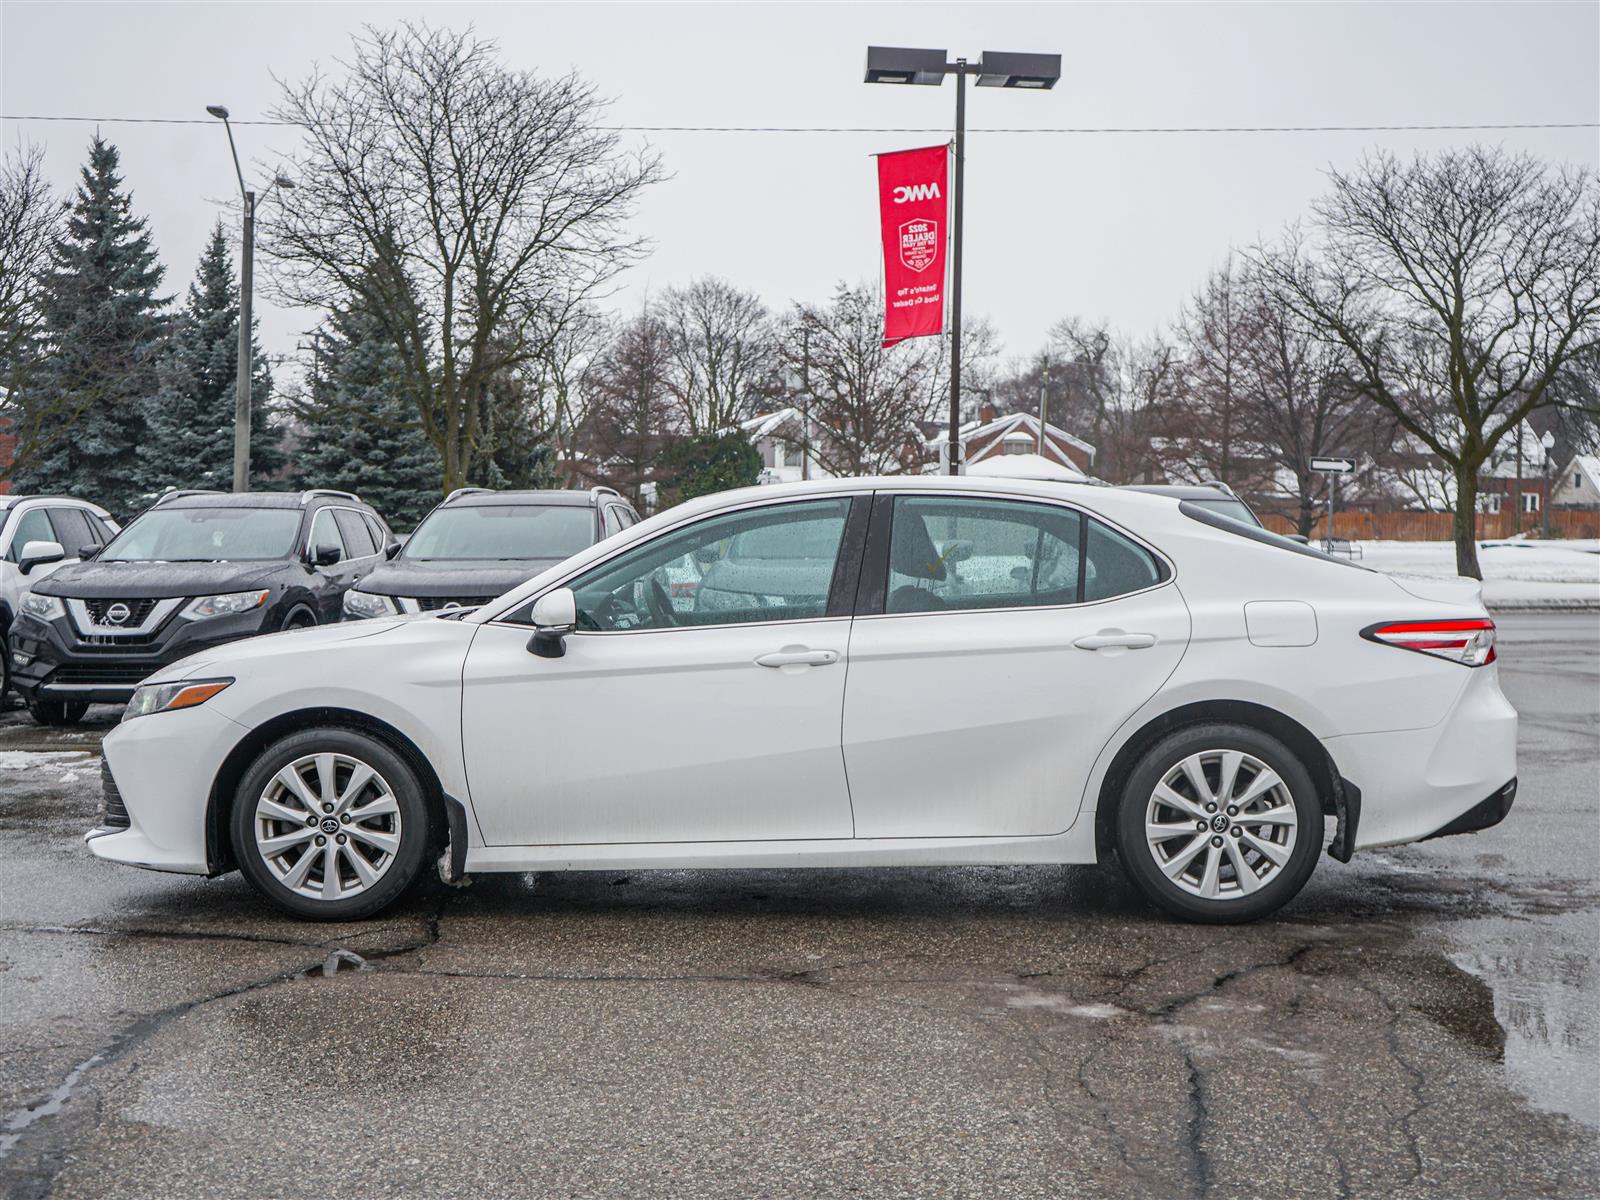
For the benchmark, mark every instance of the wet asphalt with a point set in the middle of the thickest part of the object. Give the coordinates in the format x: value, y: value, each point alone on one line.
x: 1422, y: 1022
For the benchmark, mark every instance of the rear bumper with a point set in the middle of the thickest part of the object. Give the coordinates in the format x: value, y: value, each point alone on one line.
x: 1422, y: 783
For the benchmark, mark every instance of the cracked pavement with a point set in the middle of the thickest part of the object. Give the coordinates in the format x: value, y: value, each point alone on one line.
x: 1420, y: 1023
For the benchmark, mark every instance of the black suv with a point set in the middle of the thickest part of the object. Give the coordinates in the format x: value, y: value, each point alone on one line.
x: 193, y: 570
x: 479, y: 543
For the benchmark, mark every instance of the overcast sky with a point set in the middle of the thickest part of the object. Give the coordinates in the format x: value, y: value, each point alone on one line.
x: 1115, y: 226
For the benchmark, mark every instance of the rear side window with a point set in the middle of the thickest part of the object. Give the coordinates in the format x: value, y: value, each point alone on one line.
x: 613, y: 520
x: 1117, y: 565
x: 357, y: 537
x: 953, y: 554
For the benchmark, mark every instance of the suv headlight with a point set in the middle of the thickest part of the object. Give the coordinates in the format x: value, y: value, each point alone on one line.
x: 41, y: 608
x: 165, y: 697
x: 365, y: 604
x: 226, y: 605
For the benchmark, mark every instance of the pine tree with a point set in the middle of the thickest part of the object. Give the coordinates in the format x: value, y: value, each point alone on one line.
x: 80, y: 422
x: 358, y: 424
x: 190, y: 439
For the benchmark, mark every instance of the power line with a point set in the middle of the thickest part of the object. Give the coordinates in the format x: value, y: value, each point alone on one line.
x: 1061, y: 129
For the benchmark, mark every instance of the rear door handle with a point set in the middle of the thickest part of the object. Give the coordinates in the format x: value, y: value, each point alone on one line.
x: 1115, y: 639
x: 798, y: 658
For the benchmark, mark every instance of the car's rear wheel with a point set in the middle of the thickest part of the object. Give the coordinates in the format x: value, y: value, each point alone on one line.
x: 1219, y: 823
x: 330, y: 824
x: 57, y: 713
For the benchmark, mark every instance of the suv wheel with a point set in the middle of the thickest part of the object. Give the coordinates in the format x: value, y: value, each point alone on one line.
x: 1219, y: 823
x: 330, y: 824
x: 5, y: 670
x: 57, y: 713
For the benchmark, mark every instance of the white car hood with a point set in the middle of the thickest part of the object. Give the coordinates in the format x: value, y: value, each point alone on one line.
x: 218, y: 659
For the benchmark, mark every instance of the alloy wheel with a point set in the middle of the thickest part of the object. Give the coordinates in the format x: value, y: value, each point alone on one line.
x: 327, y: 826
x: 1221, y: 824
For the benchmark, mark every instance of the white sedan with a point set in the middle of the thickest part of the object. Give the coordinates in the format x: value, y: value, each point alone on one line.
x: 868, y: 672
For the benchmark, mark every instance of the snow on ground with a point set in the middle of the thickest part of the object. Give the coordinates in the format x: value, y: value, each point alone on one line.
x: 1516, y: 574
x: 65, y: 763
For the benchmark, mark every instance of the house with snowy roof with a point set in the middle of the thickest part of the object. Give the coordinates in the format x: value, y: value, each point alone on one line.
x: 1579, y: 485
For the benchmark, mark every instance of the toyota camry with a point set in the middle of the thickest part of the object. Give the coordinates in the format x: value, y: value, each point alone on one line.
x: 867, y: 673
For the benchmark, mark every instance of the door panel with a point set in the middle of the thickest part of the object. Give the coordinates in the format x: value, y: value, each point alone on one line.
x: 985, y: 720
x: 676, y: 735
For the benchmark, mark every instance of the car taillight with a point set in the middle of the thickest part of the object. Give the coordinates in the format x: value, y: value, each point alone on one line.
x: 1468, y: 642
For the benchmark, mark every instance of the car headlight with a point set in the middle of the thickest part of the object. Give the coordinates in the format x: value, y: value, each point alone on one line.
x: 365, y: 604
x: 165, y: 697
x: 226, y: 605
x: 41, y: 608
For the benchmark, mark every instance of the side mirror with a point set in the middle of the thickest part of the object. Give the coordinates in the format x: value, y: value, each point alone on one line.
x: 392, y: 550
x: 325, y: 555
x: 37, y: 554
x: 87, y: 552
x: 555, y: 615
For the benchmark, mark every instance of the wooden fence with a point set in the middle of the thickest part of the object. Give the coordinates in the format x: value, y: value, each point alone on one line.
x: 1435, y: 526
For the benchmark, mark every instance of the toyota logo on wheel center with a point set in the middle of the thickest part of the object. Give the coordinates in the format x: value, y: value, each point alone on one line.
x: 329, y: 825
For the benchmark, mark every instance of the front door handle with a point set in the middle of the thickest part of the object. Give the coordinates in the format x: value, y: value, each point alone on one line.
x: 1115, y: 639
x: 798, y: 657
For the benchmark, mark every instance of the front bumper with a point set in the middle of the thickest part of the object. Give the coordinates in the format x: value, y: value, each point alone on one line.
x: 1421, y: 783
x: 157, y: 783
x: 54, y: 662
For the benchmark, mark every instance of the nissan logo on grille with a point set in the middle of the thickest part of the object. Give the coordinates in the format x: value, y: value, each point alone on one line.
x: 118, y: 613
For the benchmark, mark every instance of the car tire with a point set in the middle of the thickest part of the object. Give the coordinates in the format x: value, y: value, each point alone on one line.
x: 1235, y: 869
x: 57, y: 714
x: 375, y: 859
x: 5, y: 670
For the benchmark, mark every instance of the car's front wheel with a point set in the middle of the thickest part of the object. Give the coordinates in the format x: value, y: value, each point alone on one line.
x: 330, y: 824
x: 1219, y: 823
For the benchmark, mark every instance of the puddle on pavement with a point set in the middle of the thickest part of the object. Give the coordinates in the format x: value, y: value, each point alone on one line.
x: 1547, y: 1000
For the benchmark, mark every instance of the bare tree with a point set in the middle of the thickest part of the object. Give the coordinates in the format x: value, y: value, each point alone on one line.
x: 1115, y: 392
x: 30, y: 218
x: 866, y: 399
x: 560, y: 383
x: 723, y: 352
x: 630, y: 418
x: 469, y: 207
x: 1460, y: 285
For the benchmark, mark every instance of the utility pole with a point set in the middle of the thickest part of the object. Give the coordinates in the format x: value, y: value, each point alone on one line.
x: 1044, y: 403
x: 955, y: 267
x: 1516, y: 487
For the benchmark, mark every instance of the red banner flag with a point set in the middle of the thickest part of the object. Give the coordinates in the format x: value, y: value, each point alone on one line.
x: 912, y: 190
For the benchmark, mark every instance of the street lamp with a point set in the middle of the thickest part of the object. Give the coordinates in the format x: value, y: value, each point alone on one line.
x: 899, y: 64
x: 241, y: 400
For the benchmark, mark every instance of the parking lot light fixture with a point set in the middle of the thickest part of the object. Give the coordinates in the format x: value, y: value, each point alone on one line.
x: 997, y: 68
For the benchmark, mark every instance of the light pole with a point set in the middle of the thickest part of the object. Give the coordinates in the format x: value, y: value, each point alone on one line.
x: 1548, y: 442
x: 997, y: 68
x: 241, y: 396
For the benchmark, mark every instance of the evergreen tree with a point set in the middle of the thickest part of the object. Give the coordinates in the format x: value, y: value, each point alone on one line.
x: 82, y: 419
x: 190, y: 439
x: 358, y: 424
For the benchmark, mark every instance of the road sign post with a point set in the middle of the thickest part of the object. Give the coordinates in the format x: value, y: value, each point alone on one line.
x: 1332, y: 468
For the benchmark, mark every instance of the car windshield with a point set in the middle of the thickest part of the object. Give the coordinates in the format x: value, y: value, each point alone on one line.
x: 1235, y: 509
x: 495, y: 532
x: 206, y: 535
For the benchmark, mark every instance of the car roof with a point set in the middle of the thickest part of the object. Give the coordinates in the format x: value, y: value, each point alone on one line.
x: 259, y: 500
x: 570, y: 497
x: 12, y: 501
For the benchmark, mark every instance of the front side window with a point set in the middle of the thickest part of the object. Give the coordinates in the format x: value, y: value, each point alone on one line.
x: 32, y: 526
x: 325, y: 532
x: 206, y: 535
x: 947, y: 553
x: 502, y: 532
x: 774, y: 563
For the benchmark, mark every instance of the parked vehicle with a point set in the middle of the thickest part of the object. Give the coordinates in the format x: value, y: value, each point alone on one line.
x: 1218, y: 497
x: 871, y: 672
x: 479, y: 543
x: 45, y: 522
x: 193, y: 571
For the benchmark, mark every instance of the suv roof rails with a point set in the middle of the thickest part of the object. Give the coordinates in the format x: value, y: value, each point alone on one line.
x: 178, y: 493
x: 1220, y: 486
x: 466, y: 491
x: 310, y: 492
x: 603, y: 490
